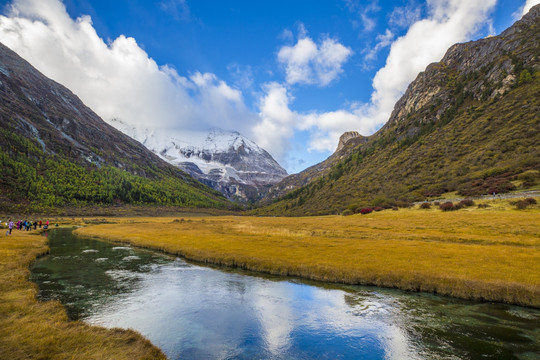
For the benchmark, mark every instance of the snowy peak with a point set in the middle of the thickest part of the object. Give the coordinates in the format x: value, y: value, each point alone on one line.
x: 225, y: 160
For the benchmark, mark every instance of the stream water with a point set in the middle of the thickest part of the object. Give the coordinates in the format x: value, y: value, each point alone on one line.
x: 197, y: 312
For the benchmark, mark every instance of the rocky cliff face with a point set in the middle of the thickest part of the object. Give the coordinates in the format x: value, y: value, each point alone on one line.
x: 484, y: 70
x: 224, y: 160
x: 468, y: 123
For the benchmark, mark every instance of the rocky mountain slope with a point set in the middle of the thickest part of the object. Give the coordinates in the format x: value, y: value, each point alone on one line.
x: 55, y: 151
x: 225, y: 161
x: 469, y: 123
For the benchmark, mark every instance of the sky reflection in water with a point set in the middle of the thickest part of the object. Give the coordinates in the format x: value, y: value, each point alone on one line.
x: 198, y: 312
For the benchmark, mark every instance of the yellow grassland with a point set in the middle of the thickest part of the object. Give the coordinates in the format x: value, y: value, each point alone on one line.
x: 481, y: 254
x: 31, y: 329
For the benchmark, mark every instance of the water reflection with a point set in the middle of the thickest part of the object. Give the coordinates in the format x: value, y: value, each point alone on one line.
x: 202, y: 313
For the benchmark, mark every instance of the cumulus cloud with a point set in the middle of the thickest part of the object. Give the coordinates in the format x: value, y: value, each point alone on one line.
x: 426, y: 41
x: 312, y: 64
x: 118, y: 79
x: 278, y: 120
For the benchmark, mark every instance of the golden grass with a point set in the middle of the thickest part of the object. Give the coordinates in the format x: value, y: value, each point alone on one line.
x: 482, y: 254
x: 30, y: 329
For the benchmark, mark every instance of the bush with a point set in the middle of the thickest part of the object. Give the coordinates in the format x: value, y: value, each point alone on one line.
x: 347, y: 212
x: 483, y: 206
x: 447, y: 206
x: 466, y: 203
x: 521, y: 204
x: 365, y: 211
x: 436, y: 203
x: 378, y: 208
x: 425, y: 205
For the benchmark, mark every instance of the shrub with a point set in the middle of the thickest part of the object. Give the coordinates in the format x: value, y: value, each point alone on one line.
x: 447, y: 206
x: 483, y: 206
x: 365, y: 211
x: 466, y: 203
x: 347, y: 212
x: 378, y: 208
x: 521, y: 204
x: 425, y: 205
x: 436, y: 203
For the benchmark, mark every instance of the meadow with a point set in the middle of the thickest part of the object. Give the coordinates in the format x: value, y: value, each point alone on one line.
x: 488, y: 254
x: 31, y: 329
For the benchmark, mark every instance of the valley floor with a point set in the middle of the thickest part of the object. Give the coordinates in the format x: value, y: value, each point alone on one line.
x: 30, y: 329
x: 490, y: 254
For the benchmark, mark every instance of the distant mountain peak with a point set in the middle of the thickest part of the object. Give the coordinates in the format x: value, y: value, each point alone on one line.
x: 225, y: 160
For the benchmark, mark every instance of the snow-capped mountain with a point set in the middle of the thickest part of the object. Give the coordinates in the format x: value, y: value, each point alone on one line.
x: 224, y: 160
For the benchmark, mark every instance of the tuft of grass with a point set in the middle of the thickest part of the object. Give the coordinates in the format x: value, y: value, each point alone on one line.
x: 488, y: 254
x: 31, y: 329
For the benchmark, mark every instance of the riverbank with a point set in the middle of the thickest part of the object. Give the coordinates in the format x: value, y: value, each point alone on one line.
x: 31, y: 329
x: 490, y: 254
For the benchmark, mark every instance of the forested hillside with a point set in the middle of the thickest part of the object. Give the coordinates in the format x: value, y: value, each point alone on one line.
x: 56, y: 152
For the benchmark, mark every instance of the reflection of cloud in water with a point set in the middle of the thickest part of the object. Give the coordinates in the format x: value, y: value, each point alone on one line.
x: 275, y: 315
x: 122, y: 275
x: 101, y: 259
x: 132, y: 257
x: 90, y: 251
x: 121, y: 248
x: 205, y: 313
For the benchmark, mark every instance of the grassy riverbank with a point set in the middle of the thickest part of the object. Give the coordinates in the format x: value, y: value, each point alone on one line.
x: 30, y: 329
x: 481, y: 254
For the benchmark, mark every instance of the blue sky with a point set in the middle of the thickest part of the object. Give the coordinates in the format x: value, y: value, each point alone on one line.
x: 290, y: 75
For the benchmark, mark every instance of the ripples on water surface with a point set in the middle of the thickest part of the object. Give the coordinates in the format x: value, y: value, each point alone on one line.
x: 195, y: 312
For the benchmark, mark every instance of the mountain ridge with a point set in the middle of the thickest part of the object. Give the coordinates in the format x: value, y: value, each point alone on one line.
x: 55, y: 152
x: 430, y: 133
x: 224, y: 160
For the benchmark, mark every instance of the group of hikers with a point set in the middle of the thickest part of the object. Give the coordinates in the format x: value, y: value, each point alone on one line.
x: 26, y: 225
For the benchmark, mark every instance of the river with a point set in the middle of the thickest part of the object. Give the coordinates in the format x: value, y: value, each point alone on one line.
x: 197, y: 312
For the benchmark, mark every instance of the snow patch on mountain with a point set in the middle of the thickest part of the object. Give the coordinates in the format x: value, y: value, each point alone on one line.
x: 225, y: 160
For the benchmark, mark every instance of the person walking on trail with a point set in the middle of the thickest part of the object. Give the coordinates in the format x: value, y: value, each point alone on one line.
x: 40, y: 223
x: 10, y: 226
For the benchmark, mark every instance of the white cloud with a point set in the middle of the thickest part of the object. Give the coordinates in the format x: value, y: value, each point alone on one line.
x: 426, y: 41
x: 278, y: 121
x: 405, y: 16
x: 528, y: 5
x: 383, y: 41
x: 312, y: 64
x: 118, y: 79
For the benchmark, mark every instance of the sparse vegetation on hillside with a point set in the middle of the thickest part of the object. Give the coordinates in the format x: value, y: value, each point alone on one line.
x: 476, y: 147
